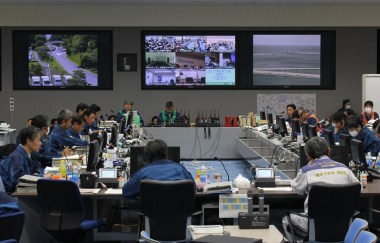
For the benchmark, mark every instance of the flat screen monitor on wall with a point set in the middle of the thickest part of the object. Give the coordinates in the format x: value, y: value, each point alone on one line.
x: 293, y: 60
x: 177, y: 60
x: 62, y: 59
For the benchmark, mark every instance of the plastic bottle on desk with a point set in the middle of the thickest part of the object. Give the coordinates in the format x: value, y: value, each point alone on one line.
x: 75, y: 176
x: 377, y: 163
x: 62, y: 169
x: 203, y: 174
x: 69, y: 171
x: 368, y: 158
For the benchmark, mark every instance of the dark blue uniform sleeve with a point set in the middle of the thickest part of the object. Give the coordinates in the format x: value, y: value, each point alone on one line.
x: 119, y: 115
x: 131, y: 189
x: 371, y: 144
x: 312, y: 121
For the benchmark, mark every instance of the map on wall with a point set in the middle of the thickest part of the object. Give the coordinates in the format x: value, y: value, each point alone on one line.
x: 276, y: 103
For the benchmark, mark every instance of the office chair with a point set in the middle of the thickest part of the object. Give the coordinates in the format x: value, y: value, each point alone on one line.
x: 357, y: 226
x: 167, y: 206
x: 11, y: 225
x: 62, y: 210
x: 330, y: 209
x: 366, y: 237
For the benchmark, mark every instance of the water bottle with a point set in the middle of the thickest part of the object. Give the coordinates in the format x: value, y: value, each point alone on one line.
x: 377, y: 164
x: 203, y: 174
x: 75, y: 176
x: 62, y: 169
x: 69, y: 171
x: 369, y: 159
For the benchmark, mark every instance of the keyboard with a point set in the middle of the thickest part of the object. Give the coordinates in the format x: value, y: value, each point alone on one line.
x: 283, y: 182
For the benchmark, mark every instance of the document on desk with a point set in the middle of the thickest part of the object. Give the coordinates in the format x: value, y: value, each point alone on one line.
x: 89, y: 190
x: 206, y: 229
x: 113, y: 191
x: 277, y: 189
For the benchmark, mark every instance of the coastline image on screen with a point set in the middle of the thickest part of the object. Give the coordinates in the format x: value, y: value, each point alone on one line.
x: 286, y: 59
x: 62, y: 59
x: 189, y: 60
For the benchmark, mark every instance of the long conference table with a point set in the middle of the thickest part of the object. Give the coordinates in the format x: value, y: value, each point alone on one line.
x: 94, y: 203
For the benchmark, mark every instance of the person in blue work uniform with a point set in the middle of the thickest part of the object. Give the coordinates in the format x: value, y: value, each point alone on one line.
x: 60, y: 139
x: 89, y: 116
x: 169, y: 115
x: 43, y: 155
x: 338, y: 125
x: 19, y: 162
x: 77, y: 125
x: 320, y: 170
x: 290, y: 109
x: 360, y: 132
x: 158, y: 168
x: 128, y: 107
x: 368, y: 114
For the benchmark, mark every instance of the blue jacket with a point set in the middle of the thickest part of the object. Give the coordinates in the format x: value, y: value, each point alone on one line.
x: 370, y: 141
x: 335, y: 135
x: 61, y: 137
x: 73, y: 133
x: 15, y: 165
x: 8, y: 204
x: 162, y: 170
x: 43, y: 156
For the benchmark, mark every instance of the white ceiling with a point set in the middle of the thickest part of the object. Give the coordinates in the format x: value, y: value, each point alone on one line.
x: 196, y: 2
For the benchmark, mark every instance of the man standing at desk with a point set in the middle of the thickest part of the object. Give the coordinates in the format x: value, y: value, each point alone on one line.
x: 128, y: 107
x: 316, y: 172
x: 169, y: 115
x: 159, y: 168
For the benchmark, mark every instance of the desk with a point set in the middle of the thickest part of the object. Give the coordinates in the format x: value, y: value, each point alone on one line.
x: 267, y: 235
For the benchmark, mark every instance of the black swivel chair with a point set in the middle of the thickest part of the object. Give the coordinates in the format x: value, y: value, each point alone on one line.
x: 330, y: 210
x: 167, y: 206
x: 11, y: 225
x: 62, y: 210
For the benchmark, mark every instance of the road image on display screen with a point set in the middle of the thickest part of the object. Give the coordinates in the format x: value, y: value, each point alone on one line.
x: 189, y: 60
x: 63, y: 60
x: 286, y: 60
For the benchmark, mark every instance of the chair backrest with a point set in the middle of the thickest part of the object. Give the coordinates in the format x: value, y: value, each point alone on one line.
x: 366, y: 237
x: 331, y: 208
x: 355, y: 228
x: 168, y: 204
x: 11, y: 225
x: 61, y: 205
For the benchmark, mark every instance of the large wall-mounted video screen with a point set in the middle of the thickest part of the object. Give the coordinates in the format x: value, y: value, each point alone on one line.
x: 203, y: 60
x: 62, y: 59
x: 286, y: 60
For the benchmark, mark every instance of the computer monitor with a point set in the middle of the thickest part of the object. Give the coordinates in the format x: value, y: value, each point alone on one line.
x: 262, y: 116
x: 312, y: 131
x: 122, y: 126
x: 114, y: 133
x: 303, y: 157
x: 340, y: 153
x: 104, y: 142
x: 138, y: 161
x: 296, y: 128
x: 281, y: 126
x: 93, y: 156
x: 357, y: 151
x: 264, y: 173
x: 329, y: 136
x: 270, y: 118
x: 100, y: 138
x: 305, y: 130
x: 345, y: 139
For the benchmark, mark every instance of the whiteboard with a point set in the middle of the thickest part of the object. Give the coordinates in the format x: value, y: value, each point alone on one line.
x: 370, y: 89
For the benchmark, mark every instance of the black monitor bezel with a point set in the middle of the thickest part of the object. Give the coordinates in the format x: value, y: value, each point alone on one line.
x: 105, y: 57
x: 195, y: 33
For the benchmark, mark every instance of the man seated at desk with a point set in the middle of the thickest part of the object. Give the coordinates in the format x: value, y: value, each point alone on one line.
x: 77, y: 125
x: 19, y: 162
x: 128, y: 107
x: 316, y: 172
x: 60, y: 139
x: 159, y: 168
x: 89, y: 116
x: 43, y: 155
x: 169, y: 115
